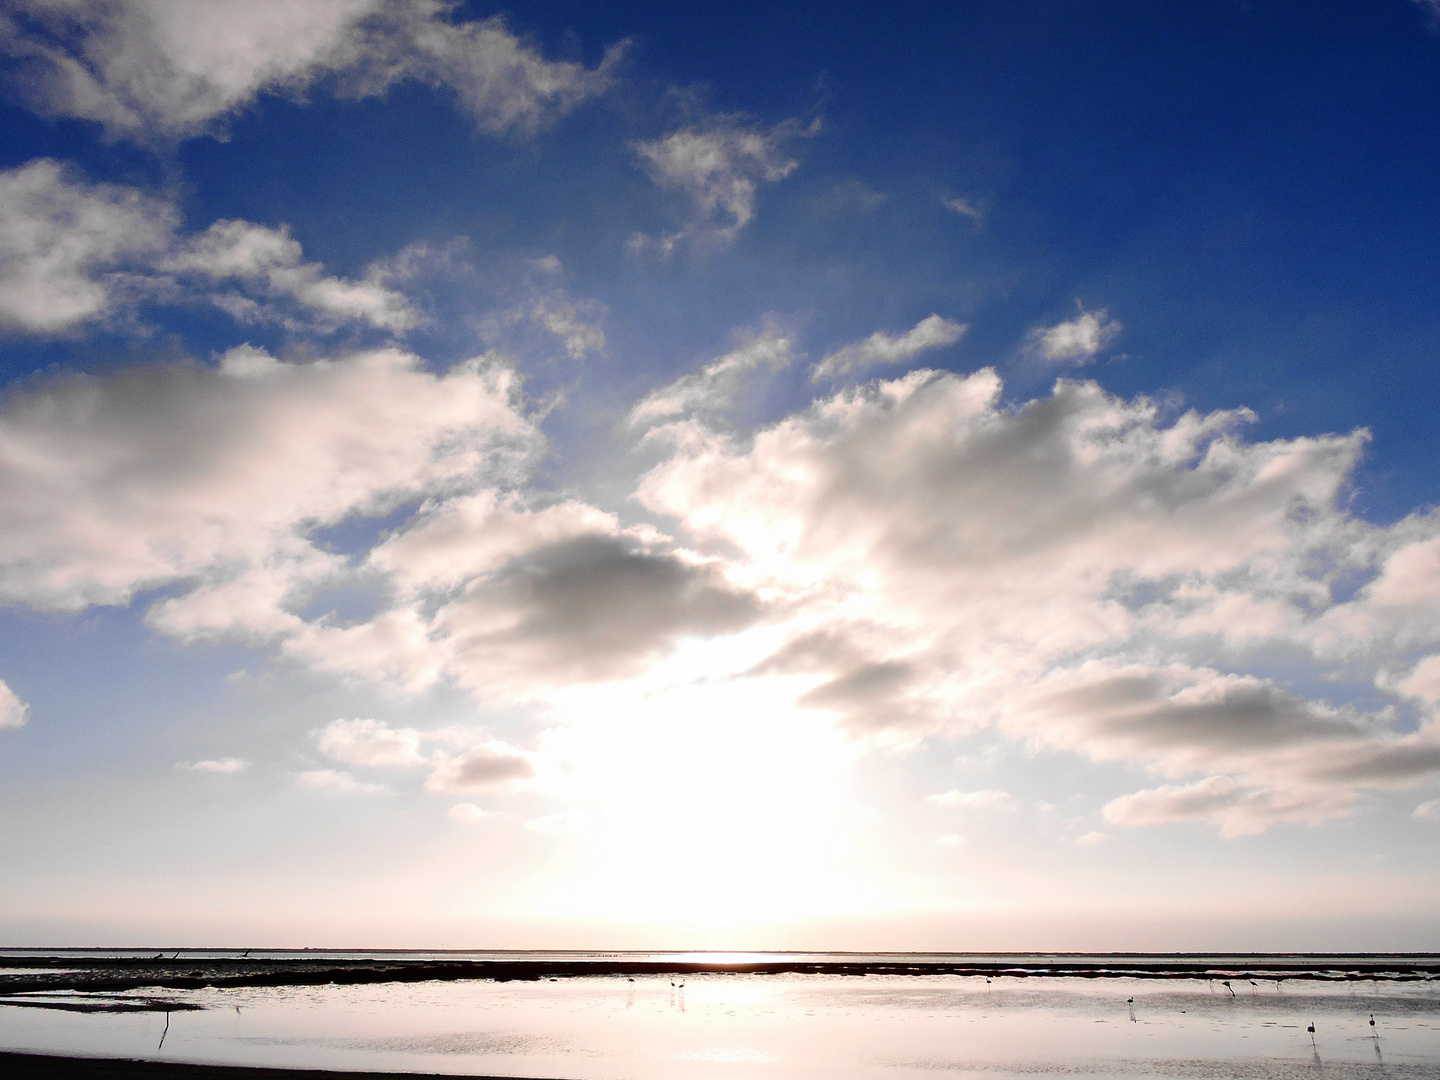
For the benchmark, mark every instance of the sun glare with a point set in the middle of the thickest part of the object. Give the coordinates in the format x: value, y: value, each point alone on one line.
x: 704, y: 802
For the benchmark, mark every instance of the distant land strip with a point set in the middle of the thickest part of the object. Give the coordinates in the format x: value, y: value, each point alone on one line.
x: 112, y: 974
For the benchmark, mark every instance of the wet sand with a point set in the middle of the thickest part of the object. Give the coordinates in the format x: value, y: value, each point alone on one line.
x: 699, y: 1017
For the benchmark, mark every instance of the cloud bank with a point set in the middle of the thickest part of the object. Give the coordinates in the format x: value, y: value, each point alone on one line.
x: 1074, y: 572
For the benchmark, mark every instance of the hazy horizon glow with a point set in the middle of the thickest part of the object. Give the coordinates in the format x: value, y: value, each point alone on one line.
x: 549, y: 478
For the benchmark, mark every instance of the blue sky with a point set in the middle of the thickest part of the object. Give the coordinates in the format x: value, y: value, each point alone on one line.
x: 838, y: 476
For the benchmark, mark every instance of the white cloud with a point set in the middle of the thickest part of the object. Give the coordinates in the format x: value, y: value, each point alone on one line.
x: 717, y: 167
x: 370, y: 743
x: 216, y: 765
x: 170, y: 69
x: 576, y: 325
x: 950, y: 840
x: 1428, y: 811
x: 1076, y: 340
x: 217, y: 477
x: 69, y: 250
x: 954, y: 564
x: 917, y: 556
x: 490, y: 766
x: 716, y: 386
x: 460, y: 760
x: 974, y: 800
x: 340, y: 783
x: 1090, y: 839
x: 72, y: 251
x: 964, y: 207
x: 468, y: 813
x: 269, y: 261
x: 1237, y: 810
x: 931, y: 332
x: 13, y: 710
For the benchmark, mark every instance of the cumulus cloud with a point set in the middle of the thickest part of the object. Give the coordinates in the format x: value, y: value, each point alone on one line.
x: 169, y: 70
x: 491, y: 766
x: 216, y: 478
x: 1237, y: 810
x: 339, y: 783
x: 955, y: 564
x: 269, y: 261
x: 13, y: 711
x: 216, y: 765
x: 879, y: 348
x: 69, y: 250
x: 715, y: 387
x: 974, y: 800
x: 370, y: 742
x: 1077, y: 573
x: 585, y: 609
x: 72, y: 251
x: 460, y: 760
x: 717, y: 167
x: 1076, y: 340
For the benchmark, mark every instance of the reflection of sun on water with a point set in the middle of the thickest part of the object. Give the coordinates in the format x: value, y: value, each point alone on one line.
x: 707, y: 803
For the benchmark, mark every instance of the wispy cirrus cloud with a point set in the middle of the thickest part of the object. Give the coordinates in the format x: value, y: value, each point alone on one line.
x: 988, y: 799
x: 715, y: 387
x: 957, y: 204
x: 163, y: 72
x: 336, y: 782
x: 717, y: 166
x: 880, y: 348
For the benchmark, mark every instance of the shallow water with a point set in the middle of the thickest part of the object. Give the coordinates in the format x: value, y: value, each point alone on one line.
x: 768, y: 1027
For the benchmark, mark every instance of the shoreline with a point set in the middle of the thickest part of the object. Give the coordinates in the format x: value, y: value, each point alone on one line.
x: 115, y: 974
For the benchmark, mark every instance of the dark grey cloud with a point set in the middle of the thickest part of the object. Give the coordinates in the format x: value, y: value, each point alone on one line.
x: 589, y: 608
